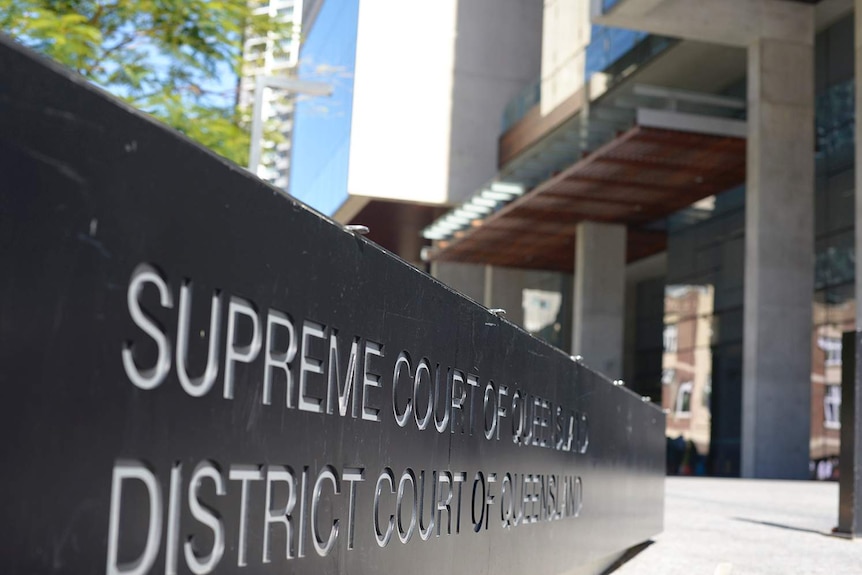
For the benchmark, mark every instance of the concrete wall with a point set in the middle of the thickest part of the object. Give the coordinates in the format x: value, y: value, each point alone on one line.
x: 497, y: 53
x: 399, y: 141
x: 566, y: 33
x: 468, y: 279
x: 510, y: 289
x: 432, y: 81
x: 730, y: 22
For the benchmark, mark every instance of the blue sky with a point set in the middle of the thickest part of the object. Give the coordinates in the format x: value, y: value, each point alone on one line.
x: 321, y: 139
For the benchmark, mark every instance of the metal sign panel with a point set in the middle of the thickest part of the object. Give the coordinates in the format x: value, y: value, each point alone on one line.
x: 850, y: 481
x: 201, y: 375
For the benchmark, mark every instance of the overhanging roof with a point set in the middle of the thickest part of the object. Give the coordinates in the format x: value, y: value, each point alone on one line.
x: 640, y: 176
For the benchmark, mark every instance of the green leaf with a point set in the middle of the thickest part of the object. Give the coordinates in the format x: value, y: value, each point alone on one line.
x: 166, y: 56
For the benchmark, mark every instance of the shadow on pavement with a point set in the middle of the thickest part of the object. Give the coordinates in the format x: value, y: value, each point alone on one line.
x: 630, y: 554
x: 781, y: 526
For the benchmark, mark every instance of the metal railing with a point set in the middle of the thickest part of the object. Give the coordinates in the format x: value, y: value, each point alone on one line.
x: 518, y: 106
x: 607, y: 48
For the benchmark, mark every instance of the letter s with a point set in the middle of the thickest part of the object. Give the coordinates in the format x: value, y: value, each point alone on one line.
x: 152, y: 377
x: 210, y: 518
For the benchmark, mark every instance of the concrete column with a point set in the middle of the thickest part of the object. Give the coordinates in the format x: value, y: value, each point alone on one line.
x: 504, y: 288
x: 779, y: 262
x: 468, y: 279
x: 599, y: 310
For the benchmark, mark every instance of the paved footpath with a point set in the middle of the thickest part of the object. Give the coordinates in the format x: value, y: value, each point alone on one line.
x: 748, y: 527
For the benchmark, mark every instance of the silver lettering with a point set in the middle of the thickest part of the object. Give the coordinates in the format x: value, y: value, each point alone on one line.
x: 403, y: 362
x: 405, y: 534
x: 352, y: 475
x: 197, y: 386
x: 459, y: 394
x: 307, y: 365
x: 383, y: 537
x: 370, y: 380
x: 490, y: 400
x: 443, y: 502
x: 245, y: 474
x: 279, y: 515
x: 276, y: 359
x: 173, y: 519
x: 351, y: 377
x: 323, y: 548
x: 236, y: 353
x: 147, y: 378
x: 123, y: 470
x: 206, y: 563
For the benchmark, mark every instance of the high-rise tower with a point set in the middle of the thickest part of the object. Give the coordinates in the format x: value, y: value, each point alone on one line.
x: 273, y: 57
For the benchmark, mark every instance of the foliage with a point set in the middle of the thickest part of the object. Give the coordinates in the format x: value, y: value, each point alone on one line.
x: 176, y: 59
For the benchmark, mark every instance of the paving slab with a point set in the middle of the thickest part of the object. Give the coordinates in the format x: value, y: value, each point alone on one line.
x: 751, y: 527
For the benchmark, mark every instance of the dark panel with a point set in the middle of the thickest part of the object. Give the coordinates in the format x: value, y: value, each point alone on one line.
x: 850, y: 481
x: 726, y: 405
x: 107, y: 461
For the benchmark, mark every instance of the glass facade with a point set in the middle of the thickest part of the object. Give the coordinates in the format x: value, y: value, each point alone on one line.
x: 834, y: 308
x: 608, y: 47
x: 685, y: 333
x: 644, y: 334
x: 702, y: 337
x: 607, y: 5
x: 547, y: 306
x: 321, y: 139
x: 684, y: 329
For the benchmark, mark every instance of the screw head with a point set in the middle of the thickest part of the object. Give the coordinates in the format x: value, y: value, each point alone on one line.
x: 357, y: 229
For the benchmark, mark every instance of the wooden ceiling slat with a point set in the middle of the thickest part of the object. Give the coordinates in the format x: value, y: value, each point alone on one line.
x: 572, y: 191
x: 640, y: 176
x: 652, y: 163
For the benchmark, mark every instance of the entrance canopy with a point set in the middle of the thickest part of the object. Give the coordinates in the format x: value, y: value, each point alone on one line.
x: 641, y: 176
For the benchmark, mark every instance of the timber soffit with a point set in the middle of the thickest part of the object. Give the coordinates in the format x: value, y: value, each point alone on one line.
x: 641, y: 176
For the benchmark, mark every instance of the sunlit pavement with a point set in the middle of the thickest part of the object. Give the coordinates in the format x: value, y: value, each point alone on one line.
x: 741, y: 526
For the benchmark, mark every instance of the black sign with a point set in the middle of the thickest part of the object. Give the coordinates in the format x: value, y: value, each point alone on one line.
x: 202, y: 375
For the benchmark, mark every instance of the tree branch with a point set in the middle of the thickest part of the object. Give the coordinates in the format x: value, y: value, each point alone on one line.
x: 121, y: 44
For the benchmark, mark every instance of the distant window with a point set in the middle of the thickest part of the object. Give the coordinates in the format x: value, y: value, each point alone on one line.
x: 541, y: 309
x: 832, y: 407
x: 832, y: 347
x: 254, y: 56
x: 683, y: 399
x: 670, y: 338
x: 255, y: 48
x: 667, y: 376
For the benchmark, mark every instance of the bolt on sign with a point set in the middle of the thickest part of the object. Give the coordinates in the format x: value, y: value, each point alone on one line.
x: 202, y: 375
